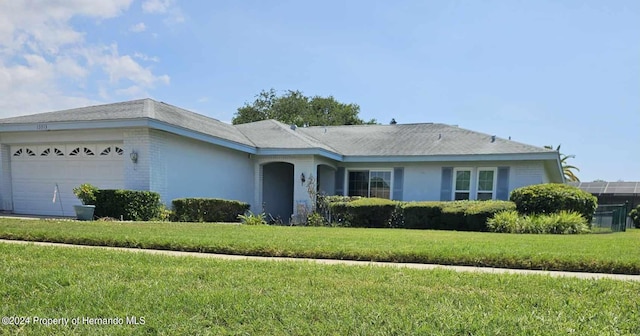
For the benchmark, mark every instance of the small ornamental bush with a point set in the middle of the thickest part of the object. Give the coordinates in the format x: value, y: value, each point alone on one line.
x: 252, y: 219
x: 207, y: 210
x: 568, y: 222
x: 86, y: 193
x: 635, y: 216
x: 563, y: 222
x: 316, y: 219
x: 552, y: 198
x: 506, y: 222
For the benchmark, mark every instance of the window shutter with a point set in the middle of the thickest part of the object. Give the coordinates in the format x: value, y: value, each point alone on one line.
x: 398, y: 182
x: 502, y: 192
x: 340, y: 181
x: 446, y: 184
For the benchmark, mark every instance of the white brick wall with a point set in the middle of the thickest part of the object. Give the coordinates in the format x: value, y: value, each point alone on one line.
x: 137, y: 175
x: 158, y: 164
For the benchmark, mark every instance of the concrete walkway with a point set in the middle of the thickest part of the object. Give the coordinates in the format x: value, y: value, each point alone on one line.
x: 581, y: 275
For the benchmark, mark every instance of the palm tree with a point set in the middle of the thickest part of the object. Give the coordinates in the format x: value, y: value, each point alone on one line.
x: 567, y: 169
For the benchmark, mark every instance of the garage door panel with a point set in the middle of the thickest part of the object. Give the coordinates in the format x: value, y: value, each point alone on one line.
x: 34, y: 177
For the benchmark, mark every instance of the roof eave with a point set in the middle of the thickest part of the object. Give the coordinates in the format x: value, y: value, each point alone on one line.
x: 299, y: 151
x: 451, y: 158
x: 126, y: 123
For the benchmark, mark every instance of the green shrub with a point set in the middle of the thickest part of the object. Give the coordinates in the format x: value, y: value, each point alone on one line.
x: 250, y: 218
x: 458, y: 215
x: 505, y: 222
x: 552, y: 198
x: 363, y: 212
x: 422, y: 215
x: 563, y: 222
x: 568, y: 222
x: 316, y: 219
x: 635, y: 216
x: 477, y: 213
x: 128, y: 204
x: 164, y: 214
x: 86, y: 193
x: 396, y: 220
x: 338, y: 198
x: 207, y: 210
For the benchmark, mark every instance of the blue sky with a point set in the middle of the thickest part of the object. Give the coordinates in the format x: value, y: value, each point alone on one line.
x: 542, y: 72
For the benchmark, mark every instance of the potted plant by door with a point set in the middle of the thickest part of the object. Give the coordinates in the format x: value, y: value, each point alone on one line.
x: 86, y: 193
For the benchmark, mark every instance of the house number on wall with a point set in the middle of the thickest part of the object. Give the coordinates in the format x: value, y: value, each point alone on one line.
x: 41, y: 127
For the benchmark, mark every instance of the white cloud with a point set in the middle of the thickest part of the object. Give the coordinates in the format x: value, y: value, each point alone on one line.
x: 168, y: 8
x: 125, y: 68
x: 46, y: 63
x: 145, y: 58
x: 132, y: 91
x: 138, y: 28
x: 156, y: 6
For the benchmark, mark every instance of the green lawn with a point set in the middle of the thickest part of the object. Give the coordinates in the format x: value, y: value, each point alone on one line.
x: 188, y: 296
x: 610, y: 253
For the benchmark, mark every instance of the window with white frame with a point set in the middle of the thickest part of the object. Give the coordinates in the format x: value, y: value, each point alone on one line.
x: 474, y: 183
x: 462, y: 184
x: 370, y: 183
x: 486, y: 184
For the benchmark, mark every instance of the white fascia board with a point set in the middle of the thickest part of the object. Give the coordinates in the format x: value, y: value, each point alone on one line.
x: 453, y: 158
x: 162, y: 126
x: 299, y: 151
x: 73, y: 125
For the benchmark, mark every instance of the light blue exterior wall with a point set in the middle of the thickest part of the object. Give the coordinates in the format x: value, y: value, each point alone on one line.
x: 326, y: 179
x: 194, y: 168
x: 423, y: 181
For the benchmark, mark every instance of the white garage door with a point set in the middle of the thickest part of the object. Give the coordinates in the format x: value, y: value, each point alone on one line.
x: 36, y: 169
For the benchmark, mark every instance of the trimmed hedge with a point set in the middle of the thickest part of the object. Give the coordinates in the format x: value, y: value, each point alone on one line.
x: 207, y: 210
x: 422, y: 215
x: 127, y: 204
x: 553, y: 198
x: 363, y: 212
x: 457, y: 215
x: 382, y: 213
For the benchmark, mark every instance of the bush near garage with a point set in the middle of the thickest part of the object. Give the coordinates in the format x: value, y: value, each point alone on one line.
x: 552, y: 198
x: 207, y: 210
x: 123, y: 204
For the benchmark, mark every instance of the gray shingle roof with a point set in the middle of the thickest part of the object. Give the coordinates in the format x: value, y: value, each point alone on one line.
x: 360, y: 140
x: 137, y: 109
x: 274, y: 134
x: 413, y: 140
x: 124, y: 110
x: 197, y: 122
